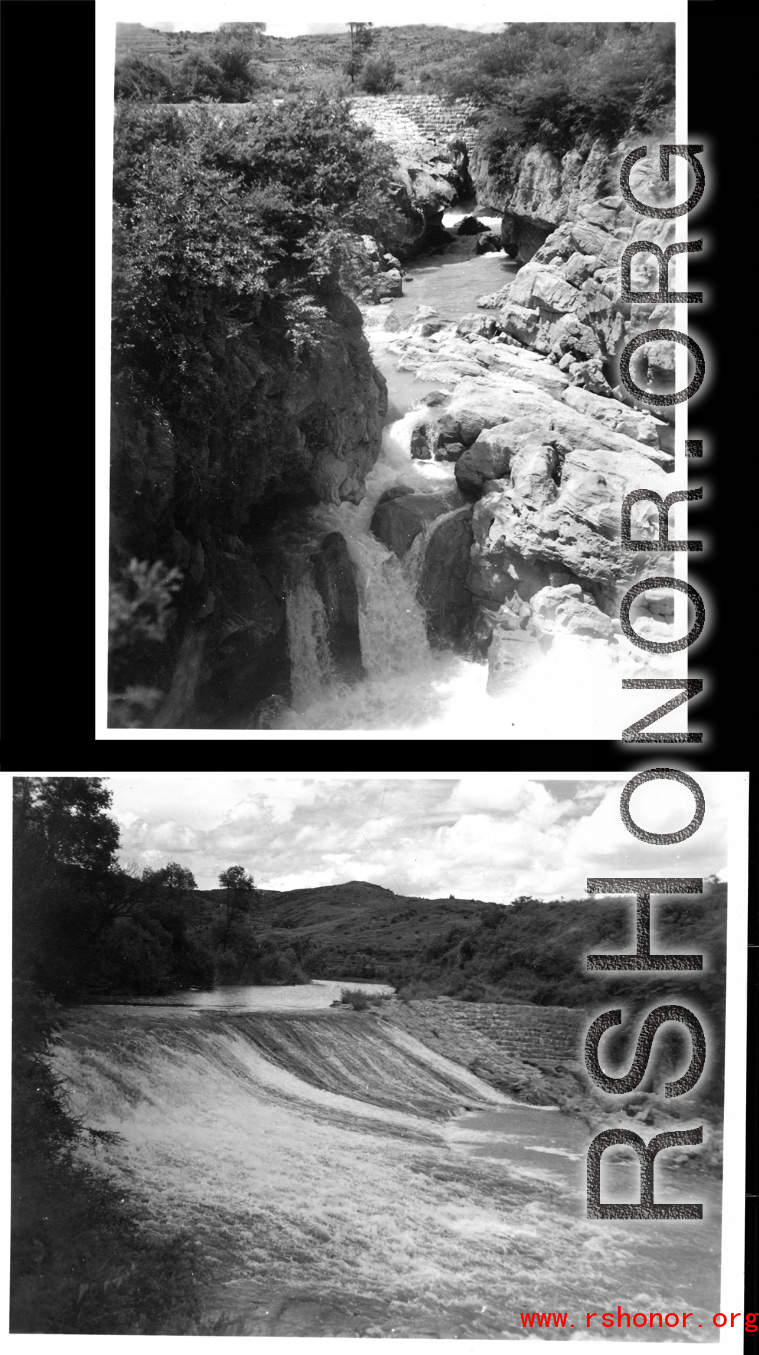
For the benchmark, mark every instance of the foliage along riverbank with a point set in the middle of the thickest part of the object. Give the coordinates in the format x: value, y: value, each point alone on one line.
x: 240, y: 372
x: 80, y: 1260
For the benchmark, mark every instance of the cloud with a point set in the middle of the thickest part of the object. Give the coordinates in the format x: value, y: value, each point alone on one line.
x: 489, y: 836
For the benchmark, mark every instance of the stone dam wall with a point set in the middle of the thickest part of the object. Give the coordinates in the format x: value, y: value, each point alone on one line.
x: 512, y: 1047
x: 416, y: 125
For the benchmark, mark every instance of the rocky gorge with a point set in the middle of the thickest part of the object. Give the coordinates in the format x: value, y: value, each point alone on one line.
x: 478, y: 535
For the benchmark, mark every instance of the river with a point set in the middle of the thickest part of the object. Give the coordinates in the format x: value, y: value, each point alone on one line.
x: 411, y: 688
x: 344, y: 1179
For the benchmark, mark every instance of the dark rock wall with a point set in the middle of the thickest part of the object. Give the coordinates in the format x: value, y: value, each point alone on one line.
x: 275, y: 429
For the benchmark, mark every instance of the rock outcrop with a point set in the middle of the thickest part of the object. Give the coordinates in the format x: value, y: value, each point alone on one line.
x: 437, y: 529
x: 522, y: 236
x: 185, y: 495
x: 443, y: 590
x: 401, y: 514
x: 336, y: 584
x: 548, y: 464
x: 566, y: 302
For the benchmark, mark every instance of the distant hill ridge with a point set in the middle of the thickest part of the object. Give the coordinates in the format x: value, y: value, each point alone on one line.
x: 526, y: 951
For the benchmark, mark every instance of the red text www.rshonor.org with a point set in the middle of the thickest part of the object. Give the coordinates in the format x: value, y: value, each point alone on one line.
x: 623, y: 1319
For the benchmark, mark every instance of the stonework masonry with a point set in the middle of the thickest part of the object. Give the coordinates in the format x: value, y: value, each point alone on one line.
x: 416, y: 125
x: 510, y: 1046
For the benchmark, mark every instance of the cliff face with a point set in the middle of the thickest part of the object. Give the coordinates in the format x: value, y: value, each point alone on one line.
x: 544, y: 190
x: 539, y: 428
x: 183, y: 490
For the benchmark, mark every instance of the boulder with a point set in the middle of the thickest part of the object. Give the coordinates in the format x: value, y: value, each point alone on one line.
x: 442, y: 590
x: 632, y: 422
x: 336, y: 584
x: 539, y: 286
x: 494, y: 400
x: 520, y: 322
x: 570, y: 335
x: 488, y: 244
x: 560, y: 512
x: 590, y: 376
x: 578, y: 268
x: 389, y: 284
x: 471, y: 226
x: 589, y: 238
x: 401, y: 514
x: 522, y: 235
x: 472, y: 325
x: 449, y: 451
x: 423, y: 322
x: 569, y: 609
x: 488, y: 458
x: 558, y: 247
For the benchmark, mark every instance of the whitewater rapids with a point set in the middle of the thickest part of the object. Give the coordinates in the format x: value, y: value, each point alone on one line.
x: 324, y: 1165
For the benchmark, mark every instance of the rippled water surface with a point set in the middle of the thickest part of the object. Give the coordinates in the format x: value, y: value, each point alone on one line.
x: 343, y: 1179
x: 302, y: 997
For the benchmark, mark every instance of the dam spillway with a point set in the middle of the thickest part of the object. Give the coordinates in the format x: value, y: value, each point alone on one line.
x: 335, y: 1184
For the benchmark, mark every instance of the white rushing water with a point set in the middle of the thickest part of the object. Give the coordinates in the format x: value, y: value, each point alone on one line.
x: 572, y: 691
x: 327, y: 1167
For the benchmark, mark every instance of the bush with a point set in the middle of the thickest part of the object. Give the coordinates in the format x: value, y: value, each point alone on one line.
x: 141, y: 77
x: 359, y: 1000
x: 378, y: 75
x: 225, y: 73
x: 552, y: 84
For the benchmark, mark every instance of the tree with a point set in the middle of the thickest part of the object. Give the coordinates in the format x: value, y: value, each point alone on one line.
x: 66, y: 815
x: 173, y: 876
x: 240, y: 889
x: 81, y: 922
x: 361, y: 38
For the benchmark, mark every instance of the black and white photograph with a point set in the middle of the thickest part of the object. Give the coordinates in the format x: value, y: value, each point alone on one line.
x: 379, y: 1056
x: 390, y: 453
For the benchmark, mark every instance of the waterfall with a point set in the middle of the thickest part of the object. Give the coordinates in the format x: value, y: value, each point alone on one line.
x: 391, y: 621
x: 313, y: 672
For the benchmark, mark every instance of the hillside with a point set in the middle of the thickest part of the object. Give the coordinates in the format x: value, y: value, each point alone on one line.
x: 356, y: 929
x: 527, y: 951
x: 317, y: 61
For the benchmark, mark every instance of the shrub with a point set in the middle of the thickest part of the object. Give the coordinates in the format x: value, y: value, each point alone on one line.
x: 360, y: 1000
x: 378, y: 75
x: 551, y: 84
x: 225, y: 73
x: 142, y: 77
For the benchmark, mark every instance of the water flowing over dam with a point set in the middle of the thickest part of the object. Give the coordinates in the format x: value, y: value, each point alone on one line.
x: 342, y: 1178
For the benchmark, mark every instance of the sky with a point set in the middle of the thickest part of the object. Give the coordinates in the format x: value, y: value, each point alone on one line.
x: 291, y: 17
x: 490, y: 836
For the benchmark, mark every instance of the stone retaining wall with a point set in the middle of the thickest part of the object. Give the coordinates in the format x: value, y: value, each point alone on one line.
x: 416, y: 125
x: 531, y: 1052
